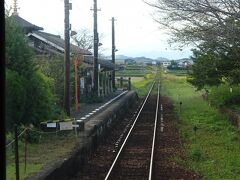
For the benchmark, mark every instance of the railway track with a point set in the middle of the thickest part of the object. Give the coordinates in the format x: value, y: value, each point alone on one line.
x: 141, y: 146
x: 135, y: 157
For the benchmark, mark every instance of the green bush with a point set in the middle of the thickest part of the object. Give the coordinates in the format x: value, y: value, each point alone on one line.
x: 15, y: 98
x: 33, y: 137
x: 40, y: 104
x: 221, y: 95
x: 54, y: 69
x: 27, y: 101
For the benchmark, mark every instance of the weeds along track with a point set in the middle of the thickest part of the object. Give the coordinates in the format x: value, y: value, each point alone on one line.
x: 135, y: 157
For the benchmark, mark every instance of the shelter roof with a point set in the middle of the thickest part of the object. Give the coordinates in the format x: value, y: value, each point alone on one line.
x: 103, y: 62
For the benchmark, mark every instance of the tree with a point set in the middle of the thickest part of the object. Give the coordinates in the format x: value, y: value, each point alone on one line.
x: 213, y: 67
x: 19, y: 57
x: 84, y: 40
x: 204, y: 70
x: 193, y: 21
x: 29, y: 95
x: 54, y: 69
x: 173, y: 65
x: 213, y: 26
x: 39, y: 104
x: 15, y: 98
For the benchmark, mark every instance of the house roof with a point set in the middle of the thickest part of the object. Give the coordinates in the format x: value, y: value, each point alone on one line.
x: 27, y: 26
x: 57, y: 42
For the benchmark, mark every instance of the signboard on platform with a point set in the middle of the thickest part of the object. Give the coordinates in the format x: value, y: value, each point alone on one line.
x: 82, y: 83
x: 51, y: 125
x: 66, y: 126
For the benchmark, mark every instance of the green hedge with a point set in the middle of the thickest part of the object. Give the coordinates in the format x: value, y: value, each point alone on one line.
x: 222, y: 96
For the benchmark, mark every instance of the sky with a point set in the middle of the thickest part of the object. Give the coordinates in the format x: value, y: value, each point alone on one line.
x: 136, y: 33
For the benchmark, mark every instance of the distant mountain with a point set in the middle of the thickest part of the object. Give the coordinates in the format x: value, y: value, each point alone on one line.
x: 138, y: 59
x: 122, y: 57
x: 142, y: 59
x: 162, y: 59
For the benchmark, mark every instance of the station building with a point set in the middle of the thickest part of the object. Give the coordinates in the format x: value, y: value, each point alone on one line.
x: 49, y: 46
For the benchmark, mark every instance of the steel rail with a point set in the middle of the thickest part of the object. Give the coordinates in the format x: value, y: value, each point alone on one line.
x: 154, y: 136
x: 119, y: 152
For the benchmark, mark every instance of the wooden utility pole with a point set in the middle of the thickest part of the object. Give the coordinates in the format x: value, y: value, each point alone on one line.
x: 16, y: 153
x: 96, y: 42
x: 113, y: 53
x: 75, y: 61
x: 66, y: 58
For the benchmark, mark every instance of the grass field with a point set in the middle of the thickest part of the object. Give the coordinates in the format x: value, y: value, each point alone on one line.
x: 141, y: 77
x: 135, y: 71
x: 178, y: 72
x: 214, y: 151
x: 50, y: 148
x: 141, y: 86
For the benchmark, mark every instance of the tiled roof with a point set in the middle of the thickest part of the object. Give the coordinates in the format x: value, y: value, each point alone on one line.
x: 59, y: 42
x: 27, y: 26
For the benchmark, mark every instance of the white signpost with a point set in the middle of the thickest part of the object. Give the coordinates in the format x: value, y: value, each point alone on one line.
x: 51, y: 125
x: 66, y: 126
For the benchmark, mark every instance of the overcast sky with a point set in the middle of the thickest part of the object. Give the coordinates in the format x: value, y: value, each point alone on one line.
x: 136, y: 32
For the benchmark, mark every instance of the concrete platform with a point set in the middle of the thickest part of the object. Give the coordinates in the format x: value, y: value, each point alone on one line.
x: 96, y: 128
x: 85, y: 109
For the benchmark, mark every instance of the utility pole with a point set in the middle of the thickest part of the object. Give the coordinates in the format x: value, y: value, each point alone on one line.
x: 95, y: 56
x: 16, y: 152
x: 66, y: 58
x: 113, y: 53
x: 75, y: 62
